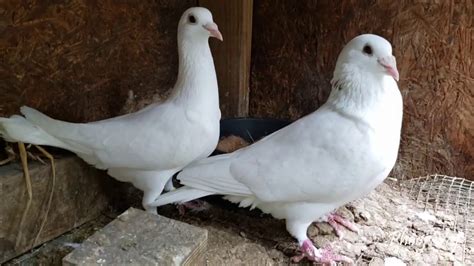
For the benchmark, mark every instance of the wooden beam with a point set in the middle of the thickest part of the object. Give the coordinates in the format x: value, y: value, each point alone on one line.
x: 79, y: 195
x: 232, y: 57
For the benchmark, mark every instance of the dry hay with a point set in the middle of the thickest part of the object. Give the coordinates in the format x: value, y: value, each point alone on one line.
x: 24, y: 154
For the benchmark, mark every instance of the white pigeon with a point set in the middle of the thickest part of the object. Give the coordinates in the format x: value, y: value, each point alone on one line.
x: 147, y: 147
x: 322, y: 161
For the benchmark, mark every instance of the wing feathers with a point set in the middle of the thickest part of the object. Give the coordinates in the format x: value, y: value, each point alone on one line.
x: 183, y: 194
x: 213, y: 175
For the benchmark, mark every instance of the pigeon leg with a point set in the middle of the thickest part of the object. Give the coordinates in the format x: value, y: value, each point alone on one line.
x: 194, y: 206
x: 308, y: 250
x: 325, y: 256
x: 338, y: 222
x: 150, y: 182
x: 328, y: 257
x: 169, y: 185
x: 298, y: 230
x: 148, y: 198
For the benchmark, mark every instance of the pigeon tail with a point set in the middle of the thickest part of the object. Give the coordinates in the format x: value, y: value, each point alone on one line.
x: 65, y: 134
x: 180, y: 195
x: 18, y: 129
x: 37, y: 118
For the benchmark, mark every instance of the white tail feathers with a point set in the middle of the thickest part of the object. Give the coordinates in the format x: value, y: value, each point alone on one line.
x: 183, y: 194
x: 213, y: 174
x: 38, y: 118
x: 32, y: 129
x: 18, y: 129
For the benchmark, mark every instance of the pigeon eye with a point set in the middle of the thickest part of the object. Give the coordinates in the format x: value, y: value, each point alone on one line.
x: 192, y: 19
x: 367, y: 50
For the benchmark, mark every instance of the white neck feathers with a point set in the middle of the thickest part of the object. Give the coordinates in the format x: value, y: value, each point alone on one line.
x: 197, y: 82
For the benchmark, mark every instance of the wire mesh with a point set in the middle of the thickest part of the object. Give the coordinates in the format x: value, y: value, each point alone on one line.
x: 448, y: 195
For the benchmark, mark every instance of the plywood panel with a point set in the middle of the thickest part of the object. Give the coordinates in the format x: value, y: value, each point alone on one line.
x: 295, y: 48
x: 80, y: 194
x: 87, y: 60
x: 232, y: 57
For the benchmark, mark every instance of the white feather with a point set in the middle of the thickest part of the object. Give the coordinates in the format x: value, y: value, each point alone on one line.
x: 184, y: 194
x: 335, y: 155
x: 147, y: 147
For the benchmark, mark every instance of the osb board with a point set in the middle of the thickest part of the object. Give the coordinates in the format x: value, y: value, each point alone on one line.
x: 79, y: 60
x: 232, y: 56
x: 295, y: 47
x: 80, y: 193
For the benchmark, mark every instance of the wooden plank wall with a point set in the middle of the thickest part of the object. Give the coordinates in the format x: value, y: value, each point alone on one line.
x: 83, y: 61
x: 295, y: 47
x: 87, y: 60
x: 232, y: 57
x: 79, y: 194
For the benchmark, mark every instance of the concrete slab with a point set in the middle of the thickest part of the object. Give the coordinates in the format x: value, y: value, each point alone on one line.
x: 140, y: 238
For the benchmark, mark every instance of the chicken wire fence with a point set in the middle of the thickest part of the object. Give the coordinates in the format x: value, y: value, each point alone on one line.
x: 449, y: 196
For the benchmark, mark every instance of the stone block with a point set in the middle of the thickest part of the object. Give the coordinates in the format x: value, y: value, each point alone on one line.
x: 140, y: 238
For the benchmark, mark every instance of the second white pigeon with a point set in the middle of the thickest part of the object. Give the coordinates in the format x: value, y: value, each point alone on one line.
x: 147, y: 147
x: 308, y: 169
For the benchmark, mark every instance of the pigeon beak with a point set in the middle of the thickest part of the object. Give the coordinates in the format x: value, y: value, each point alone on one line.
x: 390, y: 65
x: 213, y: 30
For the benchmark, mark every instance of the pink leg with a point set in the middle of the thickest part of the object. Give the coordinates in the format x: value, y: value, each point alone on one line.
x: 181, y: 209
x: 324, y: 256
x: 307, y: 251
x: 338, y: 222
x: 195, y: 205
x: 329, y: 257
x: 341, y: 220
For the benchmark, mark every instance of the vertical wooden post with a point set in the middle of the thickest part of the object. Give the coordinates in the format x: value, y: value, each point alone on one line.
x: 232, y: 57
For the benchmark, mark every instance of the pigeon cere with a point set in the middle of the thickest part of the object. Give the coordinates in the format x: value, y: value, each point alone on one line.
x: 283, y: 136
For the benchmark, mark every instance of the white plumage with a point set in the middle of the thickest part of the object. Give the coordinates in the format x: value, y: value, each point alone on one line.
x: 322, y: 161
x: 147, y: 147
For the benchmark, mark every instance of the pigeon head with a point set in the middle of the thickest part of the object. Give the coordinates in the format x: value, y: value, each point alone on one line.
x: 370, y: 54
x: 196, y: 23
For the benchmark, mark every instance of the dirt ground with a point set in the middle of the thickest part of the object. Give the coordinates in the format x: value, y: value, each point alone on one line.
x: 52, y: 252
x: 391, y: 229
x: 225, y: 245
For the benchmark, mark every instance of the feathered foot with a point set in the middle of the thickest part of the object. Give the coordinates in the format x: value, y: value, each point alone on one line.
x: 325, y: 256
x: 338, y: 222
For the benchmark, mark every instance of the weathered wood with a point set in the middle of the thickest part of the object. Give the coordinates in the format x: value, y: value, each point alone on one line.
x: 140, y: 238
x: 79, y: 195
x: 82, y: 61
x: 78, y: 60
x: 295, y: 48
x: 232, y: 57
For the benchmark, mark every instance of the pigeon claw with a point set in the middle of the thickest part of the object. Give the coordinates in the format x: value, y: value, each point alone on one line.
x: 307, y: 251
x: 337, y: 222
x: 328, y: 257
x: 194, y: 206
x: 324, y: 256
